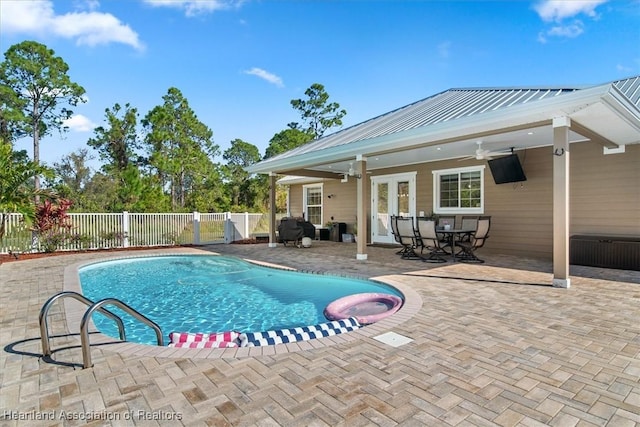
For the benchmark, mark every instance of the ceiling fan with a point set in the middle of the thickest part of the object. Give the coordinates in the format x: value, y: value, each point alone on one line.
x: 482, y: 154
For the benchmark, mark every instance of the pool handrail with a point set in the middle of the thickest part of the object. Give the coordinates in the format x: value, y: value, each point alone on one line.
x: 84, y: 325
x: 44, y: 311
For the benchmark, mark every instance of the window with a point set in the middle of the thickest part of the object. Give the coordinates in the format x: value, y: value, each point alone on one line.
x: 312, y: 195
x: 459, y: 190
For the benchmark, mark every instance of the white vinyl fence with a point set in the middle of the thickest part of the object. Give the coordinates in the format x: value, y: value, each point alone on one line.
x: 122, y: 230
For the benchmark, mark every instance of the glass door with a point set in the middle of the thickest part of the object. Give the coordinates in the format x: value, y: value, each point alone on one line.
x: 381, y: 226
x: 390, y: 195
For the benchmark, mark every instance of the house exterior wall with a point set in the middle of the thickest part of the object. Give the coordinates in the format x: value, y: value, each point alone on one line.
x: 604, y: 197
x: 341, y: 207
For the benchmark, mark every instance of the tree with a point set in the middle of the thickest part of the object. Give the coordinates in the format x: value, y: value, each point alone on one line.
x: 180, y: 150
x: 318, y: 114
x: 16, y: 191
x: 117, y: 143
x: 239, y: 184
x: 72, y: 175
x: 286, y: 140
x: 35, y: 89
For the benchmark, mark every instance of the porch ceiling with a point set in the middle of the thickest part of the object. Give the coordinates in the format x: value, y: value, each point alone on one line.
x: 539, y: 136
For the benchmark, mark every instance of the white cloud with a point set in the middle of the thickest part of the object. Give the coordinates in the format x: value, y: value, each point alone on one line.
x: 557, y: 10
x: 197, y: 7
x: 265, y: 75
x: 79, y: 123
x: 571, y: 30
x: 86, y: 28
x: 624, y: 69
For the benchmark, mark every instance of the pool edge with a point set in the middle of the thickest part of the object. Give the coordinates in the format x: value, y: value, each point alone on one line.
x: 74, y: 312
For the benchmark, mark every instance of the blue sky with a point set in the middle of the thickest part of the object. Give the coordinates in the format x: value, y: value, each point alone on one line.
x: 240, y: 63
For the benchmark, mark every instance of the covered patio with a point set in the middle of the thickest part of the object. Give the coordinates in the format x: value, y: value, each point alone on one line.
x: 449, y: 125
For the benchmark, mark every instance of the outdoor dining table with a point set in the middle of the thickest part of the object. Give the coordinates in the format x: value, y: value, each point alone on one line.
x: 451, y: 235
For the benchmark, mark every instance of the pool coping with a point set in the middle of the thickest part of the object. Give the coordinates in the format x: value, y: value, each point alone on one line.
x: 74, y: 311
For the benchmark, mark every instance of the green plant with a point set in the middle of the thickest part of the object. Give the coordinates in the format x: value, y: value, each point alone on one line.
x: 80, y: 241
x: 171, y: 237
x: 432, y: 216
x: 112, y: 238
x: 51, y: 241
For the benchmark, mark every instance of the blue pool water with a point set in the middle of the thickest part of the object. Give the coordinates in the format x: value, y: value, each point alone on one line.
x: 210, y: 293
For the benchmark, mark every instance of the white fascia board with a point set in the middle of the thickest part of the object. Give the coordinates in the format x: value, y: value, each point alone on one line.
x: 292, y: 179
x: 626, y: 110
x: 494, y: 121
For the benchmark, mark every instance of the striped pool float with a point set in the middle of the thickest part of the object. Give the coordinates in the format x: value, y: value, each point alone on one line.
x: 217, y: 340
x: 283, y: 336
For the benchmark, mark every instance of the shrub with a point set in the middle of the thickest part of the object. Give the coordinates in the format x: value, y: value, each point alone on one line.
x: 52, y: 224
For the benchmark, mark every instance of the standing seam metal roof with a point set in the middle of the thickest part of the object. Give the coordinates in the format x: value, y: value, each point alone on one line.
x: 445, y: 106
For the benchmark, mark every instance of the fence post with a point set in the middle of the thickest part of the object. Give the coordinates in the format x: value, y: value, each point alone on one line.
x: 228, y: 228
x: 125, y: 229
x: 196, y: 228
x: 246, y: 225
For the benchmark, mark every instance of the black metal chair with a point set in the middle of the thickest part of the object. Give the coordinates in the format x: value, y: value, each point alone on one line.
x: 468, y: 248
x: 394, y: 231
x: 429, y: 240
x: 444, y: 221
x: 468, y: 223
x: 407, y: 237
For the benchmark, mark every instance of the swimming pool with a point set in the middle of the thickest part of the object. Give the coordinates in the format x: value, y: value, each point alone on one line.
x: 212, y: 293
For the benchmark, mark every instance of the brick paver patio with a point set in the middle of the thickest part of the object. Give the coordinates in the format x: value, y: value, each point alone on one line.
x: 492, y: 344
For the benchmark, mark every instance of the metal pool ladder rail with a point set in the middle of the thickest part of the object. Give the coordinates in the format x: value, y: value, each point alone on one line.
x: 86, y: 318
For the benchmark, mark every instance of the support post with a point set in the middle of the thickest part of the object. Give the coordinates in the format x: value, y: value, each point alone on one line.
x: 561, y: 126
x: 272, y: 210
x: 361, y: 220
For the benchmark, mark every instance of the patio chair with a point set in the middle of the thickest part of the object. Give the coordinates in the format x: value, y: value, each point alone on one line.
x: 407, y: 237
x: 429, y: 240
x: 394, y: 231
x: 468, y: 223
x: 468, y: 249
x: 442, y: 221
x: 290, y: 230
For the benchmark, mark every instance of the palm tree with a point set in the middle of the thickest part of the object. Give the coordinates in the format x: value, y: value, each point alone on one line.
x: 16, y: 190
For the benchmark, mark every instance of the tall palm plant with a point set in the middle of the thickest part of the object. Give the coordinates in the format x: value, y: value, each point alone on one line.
x: 16, y: 191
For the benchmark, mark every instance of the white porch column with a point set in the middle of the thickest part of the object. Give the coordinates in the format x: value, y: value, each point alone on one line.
x: 561, y: 127
x: 361, y: 212
x: 272, y: 210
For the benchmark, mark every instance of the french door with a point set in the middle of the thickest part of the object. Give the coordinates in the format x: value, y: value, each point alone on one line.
x: 391, y: 195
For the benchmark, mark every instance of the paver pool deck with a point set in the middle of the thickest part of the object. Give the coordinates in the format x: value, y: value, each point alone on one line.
x: 490, y: 344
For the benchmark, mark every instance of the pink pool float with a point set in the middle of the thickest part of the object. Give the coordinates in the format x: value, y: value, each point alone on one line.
x: 367, y: 307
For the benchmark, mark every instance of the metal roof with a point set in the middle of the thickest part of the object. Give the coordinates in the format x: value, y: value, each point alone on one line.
x: 630, y: 88
x: 448, y: 106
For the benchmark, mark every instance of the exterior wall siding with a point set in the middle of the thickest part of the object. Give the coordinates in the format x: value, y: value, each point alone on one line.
x: 604, y: 192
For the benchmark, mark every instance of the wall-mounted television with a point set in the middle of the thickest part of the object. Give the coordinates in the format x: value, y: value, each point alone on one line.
x: 506, y: 169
